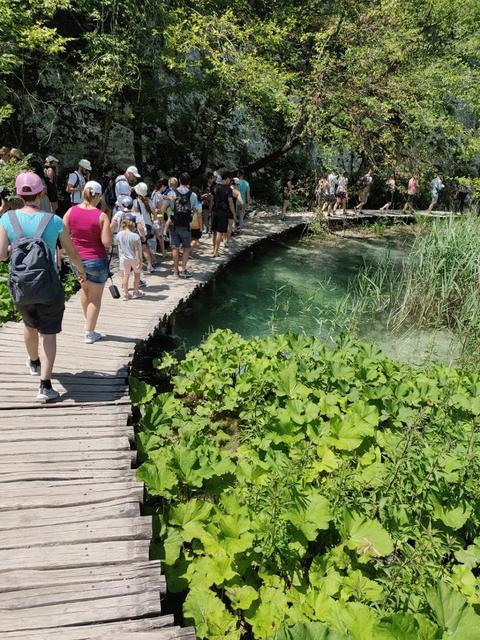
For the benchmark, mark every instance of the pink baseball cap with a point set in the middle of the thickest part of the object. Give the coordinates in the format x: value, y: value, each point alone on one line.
x: 28, y: 184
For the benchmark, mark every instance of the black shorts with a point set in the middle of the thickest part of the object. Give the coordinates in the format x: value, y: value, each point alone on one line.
x: 149, y: 236
x: 220, y: 221
x: 46, y: 318
x: 196, y: 234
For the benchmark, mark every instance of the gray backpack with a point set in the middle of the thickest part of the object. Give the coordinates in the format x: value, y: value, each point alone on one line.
x: 33, y: 278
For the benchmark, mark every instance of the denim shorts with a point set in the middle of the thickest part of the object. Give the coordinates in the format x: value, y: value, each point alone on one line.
x: 180, y: 236
x: 96, y: 270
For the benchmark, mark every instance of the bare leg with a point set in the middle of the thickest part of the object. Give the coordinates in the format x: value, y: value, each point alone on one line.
x: 185, y: 256
x: 95, y: 293
x: 84, y: 297
x: 147, y: 255
x: 175, y: 259
x: 48, y: 353
x: 30, y: 337
x: 136, y: 282
x: 125, y: 278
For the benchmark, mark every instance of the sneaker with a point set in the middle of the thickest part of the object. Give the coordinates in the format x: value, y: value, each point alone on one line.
x: 92, y: 336
x: 126, y: 296
x: 187, y: 274
x: 34, y: 369
x: 137, y: 294
x: 150, y: 269
x: 143, y: 283
x: 45, y: 395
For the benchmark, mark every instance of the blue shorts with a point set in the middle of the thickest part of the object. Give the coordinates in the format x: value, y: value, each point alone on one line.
x: 180, y: 236
x: 96, y: 271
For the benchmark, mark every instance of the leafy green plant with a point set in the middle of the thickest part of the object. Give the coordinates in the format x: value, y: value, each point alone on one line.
x: 299, y: 490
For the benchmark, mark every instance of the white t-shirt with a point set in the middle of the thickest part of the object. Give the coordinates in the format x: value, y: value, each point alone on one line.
x: 76, y: 179
x: 139, y: 206
x: 127, y: 241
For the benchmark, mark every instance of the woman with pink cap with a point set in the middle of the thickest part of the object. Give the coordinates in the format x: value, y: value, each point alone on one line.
x: 42, y: 321
x: 91, y: 235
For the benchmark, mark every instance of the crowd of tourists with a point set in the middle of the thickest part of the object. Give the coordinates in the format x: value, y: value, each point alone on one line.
x: 333, y: 194
x: 109, y: 215
x: 120, y: 214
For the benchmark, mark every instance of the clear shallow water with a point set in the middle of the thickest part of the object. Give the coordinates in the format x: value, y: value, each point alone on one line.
x: 297, y: 285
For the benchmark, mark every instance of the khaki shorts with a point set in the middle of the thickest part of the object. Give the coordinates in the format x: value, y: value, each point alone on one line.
x: 129, y: 265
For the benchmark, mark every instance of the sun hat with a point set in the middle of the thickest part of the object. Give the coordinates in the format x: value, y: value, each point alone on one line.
x: 133, y: 170
x: 141, y: 189
x: 51, y: 159
x: 17, y: 153
x: 126, y: 202
x: 28, y: 184
x: 85, y: 164
x: 95, y: 187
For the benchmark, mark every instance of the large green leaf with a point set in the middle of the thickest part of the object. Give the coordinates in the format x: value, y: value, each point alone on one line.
x: 140, y: 392
x: 208, y: 613
x: 369, y: 538
x: 308, y: 631
x: 453, y: 614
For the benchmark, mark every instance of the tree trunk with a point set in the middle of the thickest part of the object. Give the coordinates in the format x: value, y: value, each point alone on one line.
x: 107, y: 125
x: 273, y: 156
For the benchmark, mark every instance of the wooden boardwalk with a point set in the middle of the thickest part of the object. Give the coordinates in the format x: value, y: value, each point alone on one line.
x: 372, y: 214
x: 74, y: 549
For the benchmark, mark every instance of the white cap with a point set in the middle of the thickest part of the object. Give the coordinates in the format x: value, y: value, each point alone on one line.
x: 95, y: 187
x: 141, y: 189
x: 236, y: 180
x: 85, y: 164
x: 134, y: 171
x: 51, y: 159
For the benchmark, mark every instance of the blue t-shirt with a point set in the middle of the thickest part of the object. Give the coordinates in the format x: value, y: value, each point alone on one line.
x: 244, y: 187
x: 29, y: 223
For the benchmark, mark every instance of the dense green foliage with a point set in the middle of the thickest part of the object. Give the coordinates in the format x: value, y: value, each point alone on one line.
x: 183, y: 83
x: 436, y: 287
x: 292, y: 483
x: 7, y: 310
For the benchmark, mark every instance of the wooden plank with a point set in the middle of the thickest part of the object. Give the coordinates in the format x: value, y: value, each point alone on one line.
x: 60, y: 473
x: 25, y: 579
x: 67, y: 444
x: 82, y: 612
x: 101, y: 631
x: 65, y: 594
x: 139, y: 528
x: 64, y: 556
x: 65, y: 433
x: 71, y: 456
x: 123, y: 507
x: 19, y: 499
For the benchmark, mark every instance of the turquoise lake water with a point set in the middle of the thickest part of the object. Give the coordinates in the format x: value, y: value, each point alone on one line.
x: 297, y: 285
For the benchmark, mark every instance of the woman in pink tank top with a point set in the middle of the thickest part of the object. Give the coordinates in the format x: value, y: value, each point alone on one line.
x: 91, y: 235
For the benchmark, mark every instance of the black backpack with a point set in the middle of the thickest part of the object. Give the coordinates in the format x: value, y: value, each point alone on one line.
x: 109, y: 194
x: 33, y: 278
x: 182, y: 209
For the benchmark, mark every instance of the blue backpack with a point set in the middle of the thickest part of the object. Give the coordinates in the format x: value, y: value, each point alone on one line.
x: 33, y: 277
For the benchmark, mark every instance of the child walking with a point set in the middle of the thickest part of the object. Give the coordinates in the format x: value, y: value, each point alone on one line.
x: 130, y: 254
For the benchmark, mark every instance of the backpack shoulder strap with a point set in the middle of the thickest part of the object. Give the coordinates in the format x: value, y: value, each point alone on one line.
x: 43, y: 224
x: 12, y: 216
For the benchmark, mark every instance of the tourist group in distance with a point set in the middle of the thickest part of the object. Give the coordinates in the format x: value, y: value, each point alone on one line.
x: 332, y: 193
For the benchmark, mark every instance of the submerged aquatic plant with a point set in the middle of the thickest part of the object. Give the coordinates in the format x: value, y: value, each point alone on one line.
x: 437, y: 286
